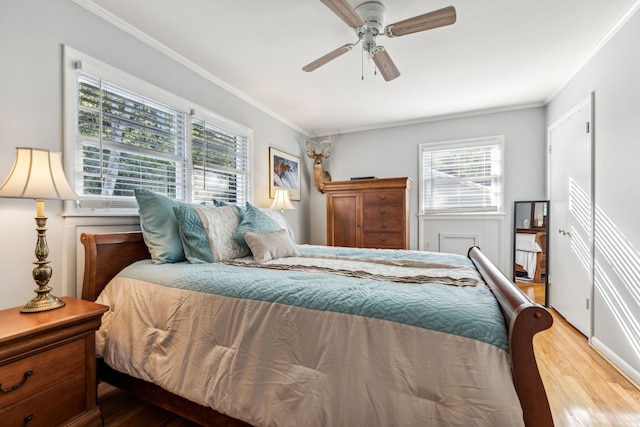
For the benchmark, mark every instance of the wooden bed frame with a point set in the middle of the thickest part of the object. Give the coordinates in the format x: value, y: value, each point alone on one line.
x: 107, y: 254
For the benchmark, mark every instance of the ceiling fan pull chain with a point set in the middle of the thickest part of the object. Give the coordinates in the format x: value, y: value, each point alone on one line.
x: 362, y: 65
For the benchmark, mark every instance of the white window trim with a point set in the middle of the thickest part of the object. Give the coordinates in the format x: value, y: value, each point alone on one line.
x: 74, y: 59
x: 461, y: 143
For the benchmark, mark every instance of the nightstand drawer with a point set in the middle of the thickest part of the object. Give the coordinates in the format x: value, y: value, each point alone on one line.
x: 383, y: 211
x: 47, y: 369
x: 383, y: 196
x: 47, y: 409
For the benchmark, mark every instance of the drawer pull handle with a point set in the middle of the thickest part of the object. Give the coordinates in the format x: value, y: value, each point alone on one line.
x: 27, y: 374
x: 383, y: 197
x: 27, y: 418
x: 383, y: 211
x: 382, y: 239
x: 382, y: 225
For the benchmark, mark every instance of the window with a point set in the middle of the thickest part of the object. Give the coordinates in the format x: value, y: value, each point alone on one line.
x: 220, y: 163
x: 128, y: 134
x: 462, y: 176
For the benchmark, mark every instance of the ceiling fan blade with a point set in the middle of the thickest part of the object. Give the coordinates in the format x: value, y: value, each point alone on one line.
x: 435, y: 19
x: 328, y: 57
x: 384, y: 63
x: 345, y: 12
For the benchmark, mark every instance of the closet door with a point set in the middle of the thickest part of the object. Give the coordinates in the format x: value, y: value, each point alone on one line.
x: 571, y: 223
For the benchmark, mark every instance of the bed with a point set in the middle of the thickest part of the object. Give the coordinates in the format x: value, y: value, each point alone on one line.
x: 530, y: 254
x: 107, y: 254
x: 216, y: 314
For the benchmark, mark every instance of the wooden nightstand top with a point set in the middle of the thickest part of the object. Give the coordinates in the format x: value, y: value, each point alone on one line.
x: 27, y: 331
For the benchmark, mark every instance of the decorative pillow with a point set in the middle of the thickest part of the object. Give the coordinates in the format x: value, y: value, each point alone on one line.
x: 256, y: 221
x: 159, y: 226
x: 207, y: 233
x: 270, y: 245
x: 280, y: 218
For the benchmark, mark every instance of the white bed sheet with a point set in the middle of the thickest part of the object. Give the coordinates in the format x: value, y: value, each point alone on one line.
x: 527, y: 253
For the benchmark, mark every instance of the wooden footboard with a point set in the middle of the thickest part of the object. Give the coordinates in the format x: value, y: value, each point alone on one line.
x: 524, y: 319
x: 107, y: 254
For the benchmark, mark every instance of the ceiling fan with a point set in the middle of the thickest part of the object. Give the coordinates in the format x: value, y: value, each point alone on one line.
x: 367, y: 20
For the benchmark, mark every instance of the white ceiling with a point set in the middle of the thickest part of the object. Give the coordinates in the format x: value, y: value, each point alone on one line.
x: 499, y: 54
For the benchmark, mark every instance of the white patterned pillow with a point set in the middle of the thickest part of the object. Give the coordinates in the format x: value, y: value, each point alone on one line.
x: 270, y: 245
x: 207, y: 233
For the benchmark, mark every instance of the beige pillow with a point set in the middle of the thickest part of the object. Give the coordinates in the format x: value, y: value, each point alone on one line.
x: 270, y: 245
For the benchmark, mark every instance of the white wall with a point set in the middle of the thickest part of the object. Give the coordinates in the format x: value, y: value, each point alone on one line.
x: 614, y: 75
x: 32, y: 33
x: 392, y: 152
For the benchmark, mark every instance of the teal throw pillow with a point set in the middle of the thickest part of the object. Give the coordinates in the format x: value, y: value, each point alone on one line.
x: 256, y: 221
x: 159, y: 226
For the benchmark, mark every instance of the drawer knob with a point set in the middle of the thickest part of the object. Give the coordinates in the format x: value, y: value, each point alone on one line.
x: 382, y: 239
x: 383, y: 211
x: 382, y: 197
x: 27, y: 418
x: 382, y: 225
x: 27, y: 374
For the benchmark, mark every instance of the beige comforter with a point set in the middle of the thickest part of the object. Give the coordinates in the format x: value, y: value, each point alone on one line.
x: 273, y: 364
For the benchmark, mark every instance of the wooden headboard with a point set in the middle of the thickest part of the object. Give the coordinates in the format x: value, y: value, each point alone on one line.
x: 105, y: 255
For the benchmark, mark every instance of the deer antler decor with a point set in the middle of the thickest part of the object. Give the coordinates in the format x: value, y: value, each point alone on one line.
x: 319, y: 174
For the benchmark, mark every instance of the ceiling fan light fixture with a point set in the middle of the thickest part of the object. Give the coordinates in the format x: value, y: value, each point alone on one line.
x: 373, y: 14
x: 367, y: 20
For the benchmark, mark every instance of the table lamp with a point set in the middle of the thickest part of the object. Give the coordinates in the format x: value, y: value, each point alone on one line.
x: 38, y: 174
x: 282, y: 201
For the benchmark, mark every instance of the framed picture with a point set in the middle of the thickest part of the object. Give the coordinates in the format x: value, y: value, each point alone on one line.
x: 285, y: 173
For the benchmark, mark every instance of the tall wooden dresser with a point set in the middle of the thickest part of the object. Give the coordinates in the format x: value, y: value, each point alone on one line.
x: 368, y: 213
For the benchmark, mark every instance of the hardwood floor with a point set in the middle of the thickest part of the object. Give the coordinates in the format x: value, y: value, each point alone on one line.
x: 584, y: 390
x: 535, y: 291
x: 120, y: 409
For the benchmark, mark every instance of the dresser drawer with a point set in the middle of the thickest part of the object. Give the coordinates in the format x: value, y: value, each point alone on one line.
x: 383, y: 211
x: 382, y: 226
x: 47, y: 369
x: 47, y: 409
x: 383, y: 240
x: 382, y: 196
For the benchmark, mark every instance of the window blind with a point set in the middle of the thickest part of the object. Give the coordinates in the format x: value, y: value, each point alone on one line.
x: 220, y: 162
x: 461, y: 179
x: 126, y: 141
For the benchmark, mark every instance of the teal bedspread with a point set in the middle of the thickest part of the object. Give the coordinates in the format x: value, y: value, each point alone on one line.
x: 470, y: 312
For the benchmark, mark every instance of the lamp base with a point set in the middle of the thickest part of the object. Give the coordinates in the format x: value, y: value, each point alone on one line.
x: 43, y: 302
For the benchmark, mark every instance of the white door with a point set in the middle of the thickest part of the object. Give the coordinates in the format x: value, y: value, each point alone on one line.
x: 571, y: 214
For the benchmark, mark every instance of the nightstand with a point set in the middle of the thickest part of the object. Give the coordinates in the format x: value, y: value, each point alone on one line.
x: 48, y: 366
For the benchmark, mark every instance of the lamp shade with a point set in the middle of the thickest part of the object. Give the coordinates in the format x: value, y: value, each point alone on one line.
x: 37, y: 174
x: 282, y: 201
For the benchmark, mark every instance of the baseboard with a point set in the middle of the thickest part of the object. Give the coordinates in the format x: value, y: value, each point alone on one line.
x: 616, y: 362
